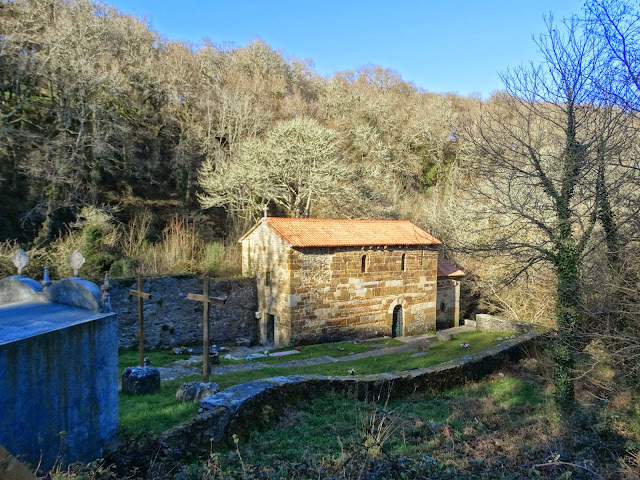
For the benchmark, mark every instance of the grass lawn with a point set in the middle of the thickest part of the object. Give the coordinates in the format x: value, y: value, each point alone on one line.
x: 336, y: 350
x: 451, y: 429
x: 159, y: 358
x: 502, y: 427
x: 158, y: 412
x: 438, y: 353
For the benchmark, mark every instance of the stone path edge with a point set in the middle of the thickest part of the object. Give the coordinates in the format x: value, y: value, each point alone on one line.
x: 235, y: 409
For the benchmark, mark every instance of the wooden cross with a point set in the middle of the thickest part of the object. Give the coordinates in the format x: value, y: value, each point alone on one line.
x: 141, y: 295
x: 206, y: 300
x: 266, y: 210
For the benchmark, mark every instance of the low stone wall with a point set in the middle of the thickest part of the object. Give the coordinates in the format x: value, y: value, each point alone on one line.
x: 489, y: 323
x: 235, y: 410
x: 171, y: 320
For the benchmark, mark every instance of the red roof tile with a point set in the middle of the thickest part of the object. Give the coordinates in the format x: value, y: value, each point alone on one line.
x: 448, y: 269
x: 327, y: 232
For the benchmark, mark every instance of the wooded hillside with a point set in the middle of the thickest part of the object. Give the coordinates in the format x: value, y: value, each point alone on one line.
x: 99, y: 109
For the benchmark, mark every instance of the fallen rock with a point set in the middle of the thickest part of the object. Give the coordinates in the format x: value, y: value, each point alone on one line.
x: 444, y: 336
x: 196, y: 391
x: 243, y: 342
x: 140, y: 380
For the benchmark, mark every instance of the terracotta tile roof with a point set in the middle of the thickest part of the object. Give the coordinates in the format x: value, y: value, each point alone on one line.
x: 327, y: 232
x: 448, y: 269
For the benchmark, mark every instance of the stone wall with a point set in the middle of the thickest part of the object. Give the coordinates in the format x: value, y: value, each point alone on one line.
x: 490, y: 323
x: 234, y: 410
x: 264, y: 251
x: 321, y: 294
x: 448, y: 303
x: 332, y: 298
x: 170, y: 319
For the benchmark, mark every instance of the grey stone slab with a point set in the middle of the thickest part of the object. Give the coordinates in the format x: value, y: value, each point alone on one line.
x: 19, y: 321
x: 76, y: 292
x: 19, y: 288
x: 284, y: 354
x: 418, y: 354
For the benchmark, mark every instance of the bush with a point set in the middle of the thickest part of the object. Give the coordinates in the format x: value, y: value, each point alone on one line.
x: 220, y: 260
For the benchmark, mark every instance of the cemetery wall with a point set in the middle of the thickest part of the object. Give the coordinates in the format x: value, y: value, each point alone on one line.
x: 171, y: 320
x: 235, y: 410
x: 491, y: 323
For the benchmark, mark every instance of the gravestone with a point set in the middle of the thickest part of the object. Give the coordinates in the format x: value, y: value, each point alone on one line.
x: 140, y: 380
x: 59, y: 364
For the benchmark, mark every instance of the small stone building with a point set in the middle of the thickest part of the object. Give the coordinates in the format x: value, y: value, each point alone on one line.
x: 329, y: 279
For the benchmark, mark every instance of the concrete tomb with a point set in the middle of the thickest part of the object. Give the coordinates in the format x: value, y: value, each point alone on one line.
x: 58, y: 370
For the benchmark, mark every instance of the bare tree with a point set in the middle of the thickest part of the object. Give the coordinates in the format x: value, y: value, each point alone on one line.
x: 542, y: 150
x: 296, y: 163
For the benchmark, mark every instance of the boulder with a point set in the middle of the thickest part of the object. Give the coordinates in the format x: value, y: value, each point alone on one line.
x: 444, y: 336
x: 243, y: 342
x: 139, y: 380
x: 196, y: 391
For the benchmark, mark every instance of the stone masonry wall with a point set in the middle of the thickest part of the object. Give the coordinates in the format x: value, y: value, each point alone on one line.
x: 447, y: 303
x: 490, y: 323
x: 333, y: 299
x: 170, y: 319
x: 319, y: 295
x: 265, y: 252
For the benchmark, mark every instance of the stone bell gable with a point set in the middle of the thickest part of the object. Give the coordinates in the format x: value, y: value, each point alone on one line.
x: 330, y: 279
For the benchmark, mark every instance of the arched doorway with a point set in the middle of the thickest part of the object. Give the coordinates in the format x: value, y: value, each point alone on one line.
x: 396, y: 327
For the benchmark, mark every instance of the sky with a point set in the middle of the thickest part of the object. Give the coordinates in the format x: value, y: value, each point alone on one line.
x: 457, y: 46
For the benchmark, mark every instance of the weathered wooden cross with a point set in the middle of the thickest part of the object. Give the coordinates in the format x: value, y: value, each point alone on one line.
x: 141, y: 295
x: 206, y: 300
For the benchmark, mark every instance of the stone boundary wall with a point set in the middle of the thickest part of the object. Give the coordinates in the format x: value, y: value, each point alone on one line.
x: 171, y: 320
x: 490, y: 323
x: 235, y: 410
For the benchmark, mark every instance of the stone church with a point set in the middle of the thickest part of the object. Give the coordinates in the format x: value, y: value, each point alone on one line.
x: 331, y: 279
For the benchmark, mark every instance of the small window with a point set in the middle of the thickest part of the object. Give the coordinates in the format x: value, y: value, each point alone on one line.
x: 267, y: 279
x: 443, y: 307
x: 363, y: 264
x: 402, y: 264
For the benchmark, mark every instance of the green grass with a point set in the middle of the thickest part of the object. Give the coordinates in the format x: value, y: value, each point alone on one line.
x: 159, y: 358
x: 333, y: 432
x: 438, y: 353
x: 160, y: 411
x: 156, y: 412
x: 336, y: 350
